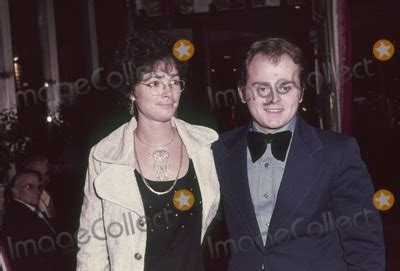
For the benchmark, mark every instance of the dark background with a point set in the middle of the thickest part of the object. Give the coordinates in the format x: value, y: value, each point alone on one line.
x: 216, y: 35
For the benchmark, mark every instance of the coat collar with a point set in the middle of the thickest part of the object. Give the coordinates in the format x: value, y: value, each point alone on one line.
x: 303, y: 131
x: 117, y: 147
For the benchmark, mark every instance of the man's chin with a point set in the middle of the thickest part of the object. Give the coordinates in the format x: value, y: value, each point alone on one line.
x: 271, y: 126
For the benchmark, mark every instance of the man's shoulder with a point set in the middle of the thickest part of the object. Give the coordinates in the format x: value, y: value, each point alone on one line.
x: 231, y: 135
x: 330, y: 139
x: 16, y: 213
x: 16, y: 206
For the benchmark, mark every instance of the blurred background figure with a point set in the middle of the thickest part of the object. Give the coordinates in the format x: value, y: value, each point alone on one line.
x: 27, y: 232
x: 40, y: 164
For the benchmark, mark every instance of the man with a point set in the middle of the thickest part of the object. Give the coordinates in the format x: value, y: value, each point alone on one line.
x: 294, y: 197
x: 41, y: 165
x: 27, y: 233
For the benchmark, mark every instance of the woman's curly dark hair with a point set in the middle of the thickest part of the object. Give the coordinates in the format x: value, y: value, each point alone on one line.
x: 144, y: 51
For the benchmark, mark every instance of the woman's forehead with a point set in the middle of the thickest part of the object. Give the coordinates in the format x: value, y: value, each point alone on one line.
x: 161, y: 71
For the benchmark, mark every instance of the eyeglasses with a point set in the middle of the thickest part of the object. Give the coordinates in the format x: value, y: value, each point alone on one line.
x: 31, y: 187
x: 157, y: 88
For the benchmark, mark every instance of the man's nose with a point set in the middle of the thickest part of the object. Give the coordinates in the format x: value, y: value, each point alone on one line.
x: 273, y: 97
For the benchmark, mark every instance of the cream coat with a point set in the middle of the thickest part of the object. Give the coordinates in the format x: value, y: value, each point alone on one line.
x: 112, y: 232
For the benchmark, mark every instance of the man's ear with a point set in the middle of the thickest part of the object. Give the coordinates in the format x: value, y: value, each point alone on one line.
x: 241, y: 96
x: 15, y: 192
x: 301, y: 95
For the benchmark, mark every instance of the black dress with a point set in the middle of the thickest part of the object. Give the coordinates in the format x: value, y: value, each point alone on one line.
x: 173, y: 224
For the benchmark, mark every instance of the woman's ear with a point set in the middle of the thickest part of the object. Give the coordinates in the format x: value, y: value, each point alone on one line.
x: 132, y: 95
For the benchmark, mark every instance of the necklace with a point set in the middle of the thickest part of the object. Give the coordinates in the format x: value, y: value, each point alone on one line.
x: 160, y: 156
x: 145, y: 181
x: 148, y: 145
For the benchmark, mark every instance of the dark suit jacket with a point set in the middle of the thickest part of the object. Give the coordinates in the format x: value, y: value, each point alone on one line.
x: 324, y: 218
x: 27, y: 239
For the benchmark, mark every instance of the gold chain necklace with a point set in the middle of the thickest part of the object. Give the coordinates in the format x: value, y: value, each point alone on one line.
x: 160, y: 156
x: 144, y: 179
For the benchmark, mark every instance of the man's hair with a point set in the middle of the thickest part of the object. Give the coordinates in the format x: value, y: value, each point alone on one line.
x: 8, y: 195
x: 24, y: 172
x: 273, y: 49
x: 145, y: 51
x: 34, y: 159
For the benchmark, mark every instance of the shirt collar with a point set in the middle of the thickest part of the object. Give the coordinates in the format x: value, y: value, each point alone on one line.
x: 288, y: 127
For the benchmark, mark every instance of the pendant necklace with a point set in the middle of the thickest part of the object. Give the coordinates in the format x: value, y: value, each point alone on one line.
x: 161, y: 165
x: 160, y: 156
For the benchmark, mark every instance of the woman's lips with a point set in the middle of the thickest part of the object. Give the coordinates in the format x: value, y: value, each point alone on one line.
x: 167, y: 105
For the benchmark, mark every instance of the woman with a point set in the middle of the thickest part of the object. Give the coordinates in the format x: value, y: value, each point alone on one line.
x: 151, y: 187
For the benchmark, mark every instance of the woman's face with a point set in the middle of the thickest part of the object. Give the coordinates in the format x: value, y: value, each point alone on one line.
x: 154, y: 100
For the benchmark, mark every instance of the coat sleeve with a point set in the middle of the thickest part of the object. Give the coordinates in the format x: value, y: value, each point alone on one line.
x: 359, y: 222
x: 91, y: 234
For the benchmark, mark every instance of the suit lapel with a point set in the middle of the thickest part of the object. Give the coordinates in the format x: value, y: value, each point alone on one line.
x: 300, y: 173
x: 233, y: 166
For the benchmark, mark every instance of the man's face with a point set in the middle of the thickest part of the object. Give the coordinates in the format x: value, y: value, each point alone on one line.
x: 43, y: 169
x: 272, y: 92
x: 28, y: 189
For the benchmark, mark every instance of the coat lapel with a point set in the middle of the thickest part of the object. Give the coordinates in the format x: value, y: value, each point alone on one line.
x: 233, y: 166
x: 117, y: 184
x: 300, y: 173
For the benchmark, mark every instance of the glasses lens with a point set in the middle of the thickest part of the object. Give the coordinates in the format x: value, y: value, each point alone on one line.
x: 177, y: 86
x: 157, y: 88
x: 182, y: 85
x: 32, y: 187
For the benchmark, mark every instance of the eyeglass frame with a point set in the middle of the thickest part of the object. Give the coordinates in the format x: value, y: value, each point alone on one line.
x: 165, y: 86
x: 30, y: 187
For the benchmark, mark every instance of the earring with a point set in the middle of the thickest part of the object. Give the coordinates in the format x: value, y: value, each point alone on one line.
x: 132, y: 108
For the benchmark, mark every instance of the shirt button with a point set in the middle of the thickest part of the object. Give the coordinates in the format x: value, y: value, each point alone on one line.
x: 266, y: 165
x: 265, y: 196
x: 138, y: 256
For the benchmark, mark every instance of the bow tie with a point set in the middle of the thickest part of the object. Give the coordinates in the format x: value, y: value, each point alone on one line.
x: 257, y: 143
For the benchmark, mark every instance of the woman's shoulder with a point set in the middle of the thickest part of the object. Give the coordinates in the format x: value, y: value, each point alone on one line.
x: 199, y: 132
x: 115, y: 135
x: 115, y: 145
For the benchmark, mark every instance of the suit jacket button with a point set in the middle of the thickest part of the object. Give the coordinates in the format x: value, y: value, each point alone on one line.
x: 138, y: 256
